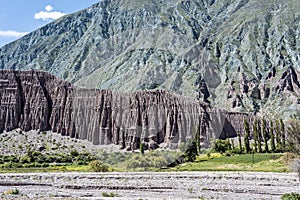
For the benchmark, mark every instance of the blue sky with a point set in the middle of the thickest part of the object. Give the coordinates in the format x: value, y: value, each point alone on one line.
x: 18, y: 17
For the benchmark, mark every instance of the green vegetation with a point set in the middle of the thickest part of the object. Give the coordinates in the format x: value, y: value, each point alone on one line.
x: 293, y: 139
x: 265, y: 135
x: 221, y: 146
x: 223, y: 155
x: 291, y: 196
x: 98, y: 166
x: 273, y: 148
x: 246, y: 135
x: 243, y: 162
x: 152, y: 160
x: 37, y: 159
x: 14, y: 191
x: 105, y: 194
x: 240, y: 142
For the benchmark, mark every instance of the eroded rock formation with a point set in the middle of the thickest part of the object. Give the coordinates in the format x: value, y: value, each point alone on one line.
x: 37, y: 100
x: 246, y: 50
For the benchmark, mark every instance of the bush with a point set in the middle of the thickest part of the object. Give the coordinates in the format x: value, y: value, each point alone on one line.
x: 41, y: 158
x: 29, y: 165
x: 45, y: 165
x: 191, y: 152
x: 105, y: 194
x: 12, y: 192
x: 65, y: 159
x: 10, y: 158
x: 81, y: 162
x: 221, y: 146
x: 24, y: 159
x: 291, y: 196
x: 147, y: 160
x: 98, y: 166
x: 74, y: 153
x: 159, y: 162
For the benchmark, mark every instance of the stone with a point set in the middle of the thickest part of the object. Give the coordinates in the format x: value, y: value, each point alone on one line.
x: 36, y: 100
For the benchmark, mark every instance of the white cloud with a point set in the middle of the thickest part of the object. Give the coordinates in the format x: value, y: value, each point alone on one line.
x: 48, y: 14
x: 12, y: 34
x: 49, y: 8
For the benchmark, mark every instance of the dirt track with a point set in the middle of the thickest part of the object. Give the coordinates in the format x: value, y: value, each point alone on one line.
x: 150, y: 185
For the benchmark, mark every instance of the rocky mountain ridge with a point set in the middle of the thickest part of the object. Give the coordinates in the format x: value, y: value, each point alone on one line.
x: 35, y: 100
x: 240, y: 55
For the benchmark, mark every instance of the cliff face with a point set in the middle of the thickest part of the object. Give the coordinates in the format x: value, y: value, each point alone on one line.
x: 237, y: 54
x: 37, y: 100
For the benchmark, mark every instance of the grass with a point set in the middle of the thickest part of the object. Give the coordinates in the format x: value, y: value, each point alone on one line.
x: 244, y: 162
x: 213, y: 162
x: 68, y: 168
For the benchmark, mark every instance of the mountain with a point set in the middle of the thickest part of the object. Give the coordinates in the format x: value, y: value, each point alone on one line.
x: 35, y: 100
x: 240, y: 55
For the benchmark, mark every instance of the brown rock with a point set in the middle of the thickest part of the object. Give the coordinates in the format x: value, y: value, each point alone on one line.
x: 37, y: 100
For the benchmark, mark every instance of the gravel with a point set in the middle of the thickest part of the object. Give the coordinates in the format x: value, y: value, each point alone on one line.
x: 149, y: 185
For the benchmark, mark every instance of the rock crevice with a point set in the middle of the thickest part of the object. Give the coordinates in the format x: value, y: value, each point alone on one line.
x: 37, y: 100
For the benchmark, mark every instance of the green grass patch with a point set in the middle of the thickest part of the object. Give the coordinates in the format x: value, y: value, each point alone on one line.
x: 243, y: 162
x: 66, y: 168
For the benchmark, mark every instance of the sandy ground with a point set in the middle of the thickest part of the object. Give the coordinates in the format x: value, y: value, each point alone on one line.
x: 150, y: 185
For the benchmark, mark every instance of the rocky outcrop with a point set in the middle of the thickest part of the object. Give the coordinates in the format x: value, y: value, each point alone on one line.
x: 37, y: 100
x: 213, y: 49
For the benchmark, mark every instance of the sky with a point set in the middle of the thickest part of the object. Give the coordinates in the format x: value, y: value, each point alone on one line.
x: 19, y: 17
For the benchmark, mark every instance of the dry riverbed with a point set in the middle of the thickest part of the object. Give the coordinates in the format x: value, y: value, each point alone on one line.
x: 149, y: 185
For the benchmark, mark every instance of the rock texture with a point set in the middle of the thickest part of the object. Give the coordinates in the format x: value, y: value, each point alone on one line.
x: 241, y: 55
x: 35, y: 100
x: 150, y: 185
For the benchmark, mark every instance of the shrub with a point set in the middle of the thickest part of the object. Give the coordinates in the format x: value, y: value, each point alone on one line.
x: 221, y: 146
x: 291, y: 196
x: 41, y: 158
x: 74, y: 153
x: 10, y: 158
x: 159, y: 162
x: 28, y: 165
x: 98, y: 166
x: 105, y: 194
x: 150, y: 159
x: 65, y: 159
x: 191, y: 152
x: 24, y: 159
x: 81, y: 162
x: 12, y: 192
x: 45, y: 165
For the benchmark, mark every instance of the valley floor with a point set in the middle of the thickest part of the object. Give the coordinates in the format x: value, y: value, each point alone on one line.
x: 149, y: 185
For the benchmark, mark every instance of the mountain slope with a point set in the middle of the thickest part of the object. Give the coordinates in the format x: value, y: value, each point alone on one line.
x: 242, y: 55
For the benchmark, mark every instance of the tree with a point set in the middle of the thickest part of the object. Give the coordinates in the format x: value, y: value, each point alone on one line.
x: 191, y: 152
x: 273, y: 148
x: 240, y: 142
x: 255, y: 135
x: 259, y: 137
x: 293, y: 136
x: 265, y: 134
x: 196, y: 137
x: 278, y: 135
x: 282, y: 131
x: 246, y: 135
x: 142, y: 147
